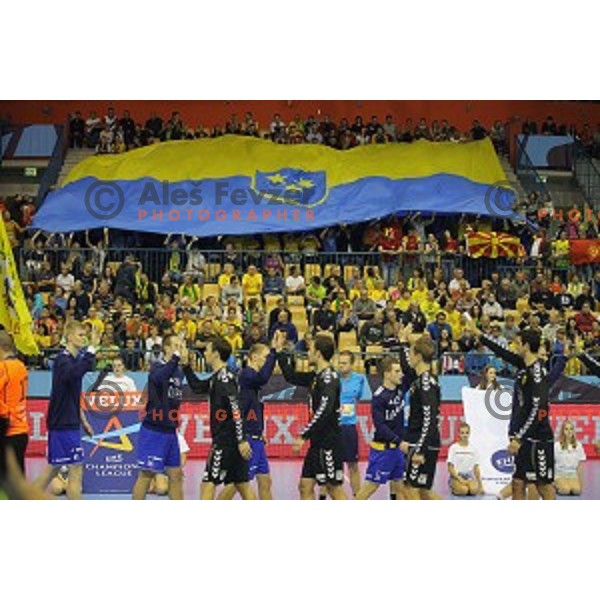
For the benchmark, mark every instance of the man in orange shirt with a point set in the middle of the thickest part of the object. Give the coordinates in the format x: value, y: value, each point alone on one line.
x: 13, y: 398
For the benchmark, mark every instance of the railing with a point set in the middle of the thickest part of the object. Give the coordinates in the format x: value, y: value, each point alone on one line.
x: 51, y: 174
x: 446, y: 363
x: 587, y: 175
x: 156, y: 262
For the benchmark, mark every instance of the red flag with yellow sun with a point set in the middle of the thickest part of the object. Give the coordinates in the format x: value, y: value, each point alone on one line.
x: 585, y: 252
x: 493, y: 244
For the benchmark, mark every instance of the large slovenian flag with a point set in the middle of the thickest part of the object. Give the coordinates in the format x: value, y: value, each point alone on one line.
x: 235, y: 185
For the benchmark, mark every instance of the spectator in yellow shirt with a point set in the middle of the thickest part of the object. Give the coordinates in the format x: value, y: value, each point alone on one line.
x: 378, y: 293
x: 404, y: 301
x: 357, y: 286
x: 522, y: 304
x: 453, y: 318
x: 94, y: 321
x: 252, y: 284
x: 232, y: 318
x: 234, y: 337
x: 430, y: 307
x: 191, y: 290
x: 561, y: 251
x: 420, y: 294
x: 371, y: 278
x: 186, y: 327
x: 225, y: 276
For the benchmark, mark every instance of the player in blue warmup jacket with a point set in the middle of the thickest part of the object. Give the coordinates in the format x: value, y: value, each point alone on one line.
x: 386, y: 460
x: 65, y: 417
x: 158, y: 446
x: 261, y: 362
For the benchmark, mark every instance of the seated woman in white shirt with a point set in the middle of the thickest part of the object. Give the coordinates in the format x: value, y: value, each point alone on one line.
x: 463, y: 466
x: 568, y: 462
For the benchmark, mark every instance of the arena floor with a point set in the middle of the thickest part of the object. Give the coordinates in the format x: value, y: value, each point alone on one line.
x: 286, y: 474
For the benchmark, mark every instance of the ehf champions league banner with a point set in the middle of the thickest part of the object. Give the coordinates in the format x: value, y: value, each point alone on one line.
x: 111, y: 461
x: 489, y: 434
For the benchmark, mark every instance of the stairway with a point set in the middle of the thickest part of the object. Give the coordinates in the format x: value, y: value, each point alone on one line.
x: 512, y: 177
x: 73, y: 157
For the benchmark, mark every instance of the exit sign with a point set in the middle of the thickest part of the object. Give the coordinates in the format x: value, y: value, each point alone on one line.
x: 30, y: 172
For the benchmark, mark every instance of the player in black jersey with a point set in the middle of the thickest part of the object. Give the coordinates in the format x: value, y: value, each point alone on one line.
x: 230, y: 450
x: 592, y: 365
x: 531, y: 435
x: 422, y: 436
x: 324, y: 461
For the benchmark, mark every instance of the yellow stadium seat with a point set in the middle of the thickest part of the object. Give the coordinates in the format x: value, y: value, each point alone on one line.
x: 302, y: 327
x: 288, y: 267
x: 311, y: 271
x: 348, y: 273
x: 375, y: 270
x: 271, y: 302
x: 210, y: 289
x: 295, y: 300
x: 327, y: 271
x: 213, y: 270
x: 347, y: 339
x: 374, y: 349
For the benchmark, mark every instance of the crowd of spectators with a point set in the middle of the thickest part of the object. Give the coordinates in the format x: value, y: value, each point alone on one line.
x: 412, y: 270
x: 114, y: 134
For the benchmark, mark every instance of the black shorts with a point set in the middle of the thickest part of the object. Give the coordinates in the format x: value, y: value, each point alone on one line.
x: 534, y: 462
x: 225, y: 465
x: 19, y: 445
x: 349, y: 443
x: 421, y: 476
x: 325, y: 465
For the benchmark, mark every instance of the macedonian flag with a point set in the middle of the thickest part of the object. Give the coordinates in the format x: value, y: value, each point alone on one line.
x: 584, y: 252
x: 493, y: 245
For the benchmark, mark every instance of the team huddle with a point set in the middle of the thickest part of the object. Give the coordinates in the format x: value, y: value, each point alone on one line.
x: 405, y: 416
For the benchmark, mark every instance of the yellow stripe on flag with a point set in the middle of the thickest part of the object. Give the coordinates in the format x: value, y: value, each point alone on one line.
x: 14, y: 314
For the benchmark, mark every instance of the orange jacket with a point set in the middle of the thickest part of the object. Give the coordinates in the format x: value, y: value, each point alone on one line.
x: 13, y: 395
